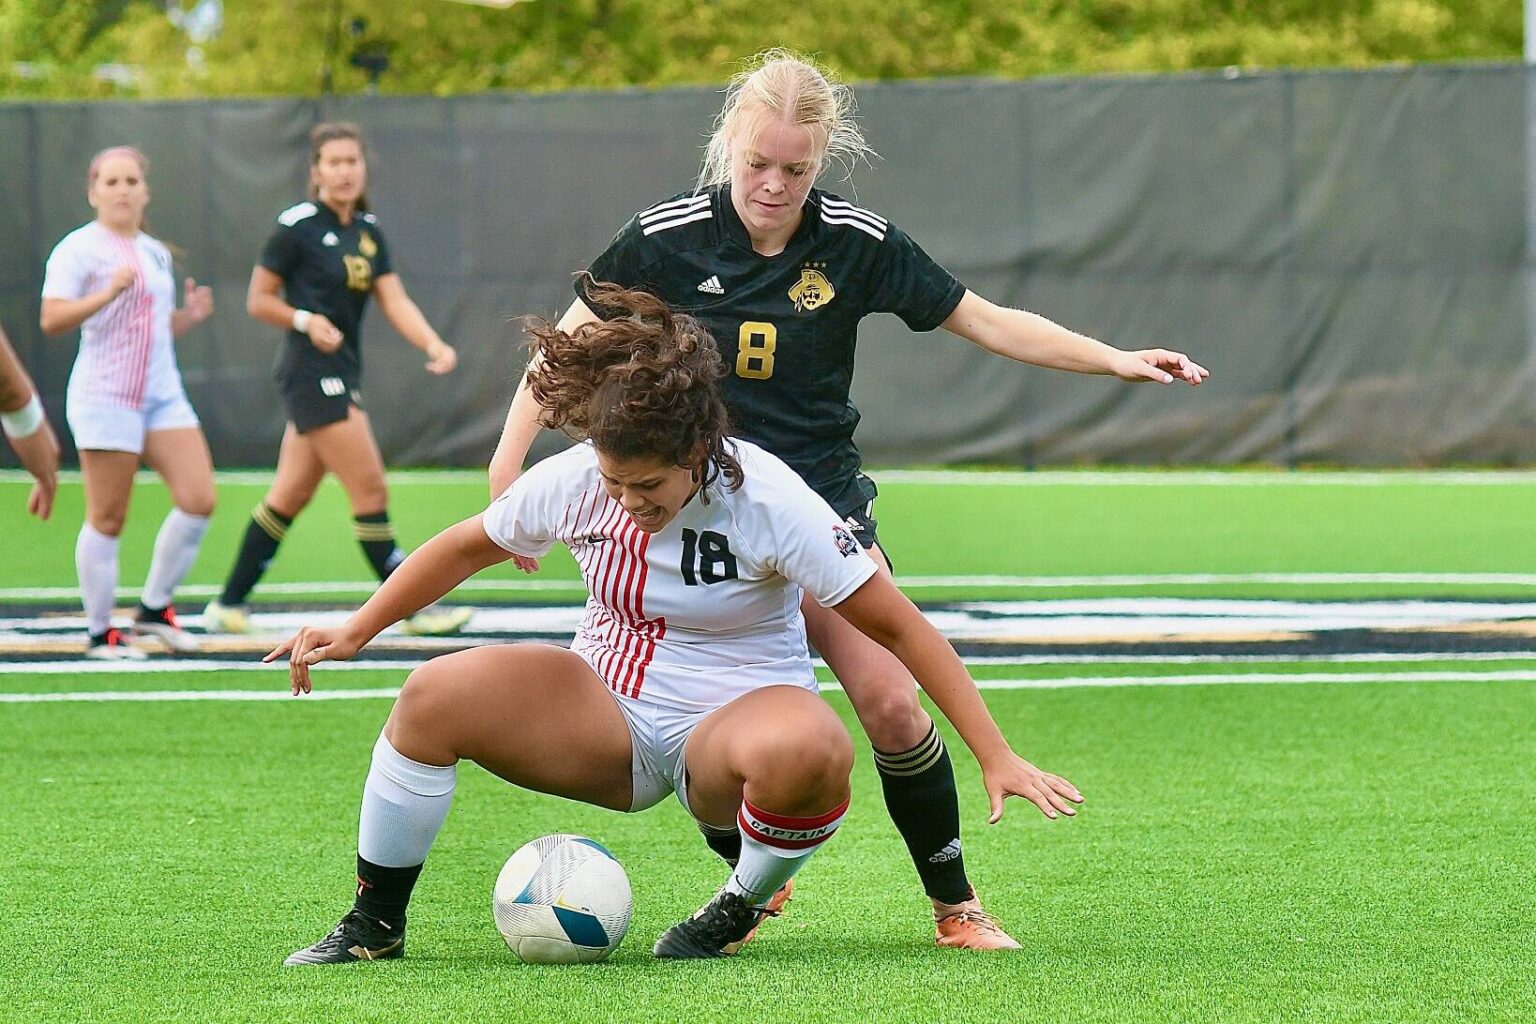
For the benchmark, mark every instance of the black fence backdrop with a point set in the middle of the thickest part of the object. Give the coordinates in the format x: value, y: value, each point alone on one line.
x: 1345, y: 250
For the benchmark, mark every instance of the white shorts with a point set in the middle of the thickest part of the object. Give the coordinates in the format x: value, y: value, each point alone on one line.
x: 113, y: 428
x: 657, y: 736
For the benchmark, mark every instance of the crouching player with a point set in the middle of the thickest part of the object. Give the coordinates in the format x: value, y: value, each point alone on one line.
x: 690, y: 673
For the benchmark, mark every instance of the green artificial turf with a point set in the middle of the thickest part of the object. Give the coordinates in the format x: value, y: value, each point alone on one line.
x: 1051, y: 529
x: 1298, y: 852
x: 1328, y: 852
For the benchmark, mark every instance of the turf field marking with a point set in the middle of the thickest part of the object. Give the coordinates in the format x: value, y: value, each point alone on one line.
x: 1063, y: 683
x: 184, y: 666
x: 1054, y: 619
x: 298, y: 589
x: 913, y: 582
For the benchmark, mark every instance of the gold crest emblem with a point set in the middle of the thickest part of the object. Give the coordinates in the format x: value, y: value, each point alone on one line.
x: 366, y: 245
x: 812, y: 291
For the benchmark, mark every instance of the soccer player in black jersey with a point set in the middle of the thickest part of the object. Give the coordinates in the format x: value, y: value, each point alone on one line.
x: 314, y: 278
x: 781, y: 273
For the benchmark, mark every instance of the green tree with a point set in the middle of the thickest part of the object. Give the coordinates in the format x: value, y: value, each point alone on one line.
x: 51, y: 49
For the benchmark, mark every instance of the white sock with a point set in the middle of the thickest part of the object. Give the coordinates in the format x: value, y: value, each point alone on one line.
x: 775, y: 846
x: 404, y: 805
x: 96, y: 565
x: 175, y: 550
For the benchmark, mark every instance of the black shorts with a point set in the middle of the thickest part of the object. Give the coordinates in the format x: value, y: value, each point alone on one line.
x: 315, y: 402
x: 860, y: 518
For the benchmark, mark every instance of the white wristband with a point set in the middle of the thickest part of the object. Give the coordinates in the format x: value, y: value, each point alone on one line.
x: 24, y: 422
x: 301, y: 319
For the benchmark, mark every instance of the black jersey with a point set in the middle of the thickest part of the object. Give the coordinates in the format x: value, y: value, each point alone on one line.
x: 786, y: 324
x: 327, y: 267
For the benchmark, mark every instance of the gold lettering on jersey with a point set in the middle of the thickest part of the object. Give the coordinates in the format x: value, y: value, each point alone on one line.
x: 812, y: 291
x: 359, y: 273
x: 366, y: 245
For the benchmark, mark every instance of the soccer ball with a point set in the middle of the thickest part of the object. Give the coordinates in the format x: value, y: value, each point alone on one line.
x: 562, y: 899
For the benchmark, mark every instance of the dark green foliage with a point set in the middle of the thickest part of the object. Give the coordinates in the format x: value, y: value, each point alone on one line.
x: 445, y: 48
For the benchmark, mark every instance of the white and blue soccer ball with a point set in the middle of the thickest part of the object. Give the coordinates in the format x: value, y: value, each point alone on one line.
x: 562, y: 899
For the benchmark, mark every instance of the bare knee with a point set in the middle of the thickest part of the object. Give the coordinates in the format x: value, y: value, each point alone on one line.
x: 801, y: 765
x: 198, y: 503
x: 108, y: 522
x: 421, y: 724
x: 288, y: 504
x: 890, y: 713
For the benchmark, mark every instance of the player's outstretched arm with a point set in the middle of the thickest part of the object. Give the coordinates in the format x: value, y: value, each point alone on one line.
x: 426, y: 575
x: 1030, y: 338
x: 885, y: 615
x: 522, y: 426
x: 406, y: 317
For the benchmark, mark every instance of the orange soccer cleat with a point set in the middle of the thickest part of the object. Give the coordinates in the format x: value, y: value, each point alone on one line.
x: 773, y: 908
x: 967, y: 926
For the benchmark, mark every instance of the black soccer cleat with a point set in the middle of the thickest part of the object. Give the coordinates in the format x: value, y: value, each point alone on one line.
x: 720, y: 928
x: 357, y: 937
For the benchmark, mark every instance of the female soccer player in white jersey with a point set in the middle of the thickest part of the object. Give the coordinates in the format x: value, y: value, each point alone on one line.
x: 690, y: 673
x: 125, y: 403
x: 781, y: 273
x: 323, y: 261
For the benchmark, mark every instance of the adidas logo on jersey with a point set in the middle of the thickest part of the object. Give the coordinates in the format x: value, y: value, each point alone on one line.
x: 329, y: 238
x: 712, y: 286
x: 950, y: 852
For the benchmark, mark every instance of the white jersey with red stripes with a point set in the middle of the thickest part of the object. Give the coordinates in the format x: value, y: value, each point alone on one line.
x: 705, y: 610
x: 126, y: 358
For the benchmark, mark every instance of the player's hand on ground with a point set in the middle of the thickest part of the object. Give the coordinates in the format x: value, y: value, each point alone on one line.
x: 441, y: 358
x: 122, y: 279
x: 323, y: 334
x: 528, y: 565
x: 1014, y: 776
x: 310, y: 646
x: 198, y: 301
x: 1160, y: 365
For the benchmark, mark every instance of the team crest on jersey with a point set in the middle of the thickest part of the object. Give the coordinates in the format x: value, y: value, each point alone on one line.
x: 366, y: 245
x: 845, y: 542
x: 813, y: 290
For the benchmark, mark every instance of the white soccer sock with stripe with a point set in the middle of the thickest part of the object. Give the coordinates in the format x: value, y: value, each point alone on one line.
x: 96, y: 565
x: 404, y: 805
x: 775, y: 846
x: 175, y: 550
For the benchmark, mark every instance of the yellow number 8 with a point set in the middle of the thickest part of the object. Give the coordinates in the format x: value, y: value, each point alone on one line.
x: 755, y: 344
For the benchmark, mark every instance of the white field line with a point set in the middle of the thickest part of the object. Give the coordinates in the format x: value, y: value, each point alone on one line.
x: 1104, y: 617
x: 1063, y: 683
x: 1008, y: 478
x: 911, y: 582
x: 188, y: 666
x: 300, y: 589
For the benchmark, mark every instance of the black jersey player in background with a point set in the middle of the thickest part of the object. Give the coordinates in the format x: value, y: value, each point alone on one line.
x: 316, y: 272
x: 781, y: 273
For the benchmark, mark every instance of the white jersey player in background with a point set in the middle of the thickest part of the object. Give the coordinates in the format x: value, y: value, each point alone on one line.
x: 125, y: 403
x: 690, y: 673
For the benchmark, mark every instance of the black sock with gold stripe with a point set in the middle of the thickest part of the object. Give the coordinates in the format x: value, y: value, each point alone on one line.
x: 262, y: 536
x: 724, y: 841
x: 377, y: 537
x: 919, y: 786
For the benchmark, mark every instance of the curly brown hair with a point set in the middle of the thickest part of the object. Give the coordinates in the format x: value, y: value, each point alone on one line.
x: 641, y: 383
